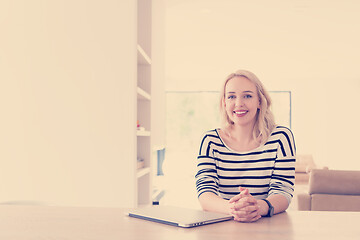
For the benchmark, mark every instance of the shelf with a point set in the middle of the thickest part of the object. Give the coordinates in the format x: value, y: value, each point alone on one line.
x: 144, y: 85
x: 142, y: 133
x: 143, y: 58
x: 142, y: 95
x: 142, y: 172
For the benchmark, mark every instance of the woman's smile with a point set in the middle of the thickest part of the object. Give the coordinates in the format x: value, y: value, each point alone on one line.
x: 240, y: 113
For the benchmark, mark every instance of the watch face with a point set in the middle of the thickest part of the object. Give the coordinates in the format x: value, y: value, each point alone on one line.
x: 271, y: 211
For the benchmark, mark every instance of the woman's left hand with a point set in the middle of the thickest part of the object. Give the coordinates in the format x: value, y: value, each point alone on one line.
x: 245, y: 207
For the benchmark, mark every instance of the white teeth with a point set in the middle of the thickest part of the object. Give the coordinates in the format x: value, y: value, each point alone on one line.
x: 240, y: 112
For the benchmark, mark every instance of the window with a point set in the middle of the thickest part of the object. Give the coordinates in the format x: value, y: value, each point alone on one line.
x: 190, y: 114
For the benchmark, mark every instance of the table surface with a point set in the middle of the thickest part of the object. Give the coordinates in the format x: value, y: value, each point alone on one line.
x: 47, y: 222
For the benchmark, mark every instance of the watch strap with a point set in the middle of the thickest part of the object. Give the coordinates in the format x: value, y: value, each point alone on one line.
x: 271, y: 208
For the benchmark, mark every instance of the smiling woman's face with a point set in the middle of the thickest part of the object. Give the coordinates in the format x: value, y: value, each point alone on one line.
x: 241, y: 101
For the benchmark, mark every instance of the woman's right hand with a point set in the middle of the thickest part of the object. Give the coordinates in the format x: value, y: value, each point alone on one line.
x: 244, y: 207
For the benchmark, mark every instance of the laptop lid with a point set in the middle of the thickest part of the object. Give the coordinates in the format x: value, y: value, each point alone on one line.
x: 176, y: 216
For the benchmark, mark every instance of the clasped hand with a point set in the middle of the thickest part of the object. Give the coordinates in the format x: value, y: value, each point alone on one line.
x: 244, y: 207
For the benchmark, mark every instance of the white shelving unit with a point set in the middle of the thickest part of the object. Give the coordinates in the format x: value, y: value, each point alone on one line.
x: 142, y: 95
x: 144, y: 65
x: 143, y: 58
x: 143, y: 133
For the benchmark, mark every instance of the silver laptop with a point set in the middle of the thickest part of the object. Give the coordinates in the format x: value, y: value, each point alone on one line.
x: 180, y: 217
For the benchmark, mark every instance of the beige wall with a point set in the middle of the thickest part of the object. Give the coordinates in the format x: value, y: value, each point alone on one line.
x: 67, y: 100
x: 308, y: 47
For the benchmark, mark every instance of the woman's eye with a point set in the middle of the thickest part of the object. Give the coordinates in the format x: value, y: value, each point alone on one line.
x: 231, y: 97
x: 247, y: 96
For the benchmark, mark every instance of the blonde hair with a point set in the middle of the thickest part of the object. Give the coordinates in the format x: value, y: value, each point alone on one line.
x: 264, y: 123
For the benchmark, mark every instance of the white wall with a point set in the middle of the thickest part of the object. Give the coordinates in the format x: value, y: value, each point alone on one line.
x: 67, y: 100
x: 158, y: 75
x: 309, y: 47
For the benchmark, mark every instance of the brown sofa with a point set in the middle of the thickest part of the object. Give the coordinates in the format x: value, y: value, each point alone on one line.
x: 331, y: 190
x: 303, y: 166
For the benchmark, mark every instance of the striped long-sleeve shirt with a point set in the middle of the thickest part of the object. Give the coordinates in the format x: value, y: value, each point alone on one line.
x: 266, y: 170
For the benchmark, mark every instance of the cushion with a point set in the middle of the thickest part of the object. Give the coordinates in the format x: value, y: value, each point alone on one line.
x: 301, y: 177
x: 334, y: 182
x: 332, y: 202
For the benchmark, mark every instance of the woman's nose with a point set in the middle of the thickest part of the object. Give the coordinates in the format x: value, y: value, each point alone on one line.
x: 239, y: 102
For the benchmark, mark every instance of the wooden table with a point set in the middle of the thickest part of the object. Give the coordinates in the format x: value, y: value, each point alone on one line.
x: 50, y: 223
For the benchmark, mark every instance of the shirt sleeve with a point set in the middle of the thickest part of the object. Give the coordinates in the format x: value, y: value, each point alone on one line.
x: 283, y: 177
x: 206, y: 177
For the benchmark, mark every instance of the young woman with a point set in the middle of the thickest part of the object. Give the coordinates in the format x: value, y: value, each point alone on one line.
x: 247, y: 167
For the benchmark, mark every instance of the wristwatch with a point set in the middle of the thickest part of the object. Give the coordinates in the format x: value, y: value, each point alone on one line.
x: 271, y: 209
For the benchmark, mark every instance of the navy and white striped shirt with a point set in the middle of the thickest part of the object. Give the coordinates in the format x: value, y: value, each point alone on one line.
x: 266, y: 170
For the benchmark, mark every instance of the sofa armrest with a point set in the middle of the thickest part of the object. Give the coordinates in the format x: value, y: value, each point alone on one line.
x: 334, y: 182
x: 304, y: 163
x: 304, y: 202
